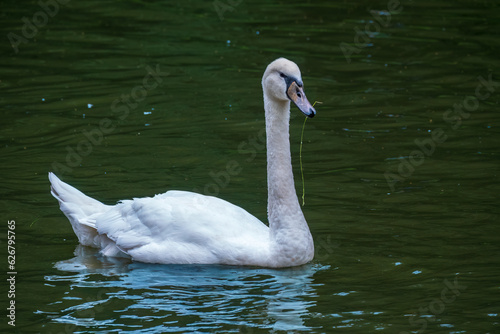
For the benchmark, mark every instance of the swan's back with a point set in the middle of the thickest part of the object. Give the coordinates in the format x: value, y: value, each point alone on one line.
x: 174, y: 227
x: 185, y: 227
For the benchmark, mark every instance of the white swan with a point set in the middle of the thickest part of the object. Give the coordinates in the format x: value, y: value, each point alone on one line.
x: 185, y: 227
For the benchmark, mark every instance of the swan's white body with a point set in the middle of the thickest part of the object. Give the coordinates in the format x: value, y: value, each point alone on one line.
x: 184, y: 227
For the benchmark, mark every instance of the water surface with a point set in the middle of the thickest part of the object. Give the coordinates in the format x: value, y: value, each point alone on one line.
x: 401, y: 163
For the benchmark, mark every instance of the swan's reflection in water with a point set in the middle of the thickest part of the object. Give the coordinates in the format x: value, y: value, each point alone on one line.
x: 106, y: 294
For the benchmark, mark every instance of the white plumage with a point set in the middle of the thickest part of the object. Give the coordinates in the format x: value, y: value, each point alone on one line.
x: 184, y: 227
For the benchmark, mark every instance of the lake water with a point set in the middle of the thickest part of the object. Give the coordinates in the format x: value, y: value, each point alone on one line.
x: 401, y: 163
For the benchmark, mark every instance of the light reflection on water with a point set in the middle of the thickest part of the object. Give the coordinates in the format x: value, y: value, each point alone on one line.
x: 181, y: 297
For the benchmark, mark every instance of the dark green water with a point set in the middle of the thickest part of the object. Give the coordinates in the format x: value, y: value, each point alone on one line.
x: 401, y: 163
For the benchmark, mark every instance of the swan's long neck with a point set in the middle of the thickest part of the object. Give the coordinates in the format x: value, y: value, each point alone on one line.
x: 290, y: 234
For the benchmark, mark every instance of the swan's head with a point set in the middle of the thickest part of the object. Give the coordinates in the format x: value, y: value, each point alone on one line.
x: 282, y: 81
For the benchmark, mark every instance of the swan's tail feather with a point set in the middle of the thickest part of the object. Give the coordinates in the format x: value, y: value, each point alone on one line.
x: 80, y: 209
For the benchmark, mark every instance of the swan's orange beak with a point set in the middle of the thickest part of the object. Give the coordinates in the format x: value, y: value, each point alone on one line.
x: 297, y: 95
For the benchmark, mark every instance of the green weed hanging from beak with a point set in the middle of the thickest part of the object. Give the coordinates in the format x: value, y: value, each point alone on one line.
x: 300, y: 156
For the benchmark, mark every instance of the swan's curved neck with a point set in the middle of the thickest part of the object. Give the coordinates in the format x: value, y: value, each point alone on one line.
x: 288, y: 227
x: 282, y: 198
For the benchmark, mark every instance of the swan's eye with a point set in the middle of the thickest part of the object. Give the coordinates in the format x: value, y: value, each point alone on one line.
x: 282, y: 75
